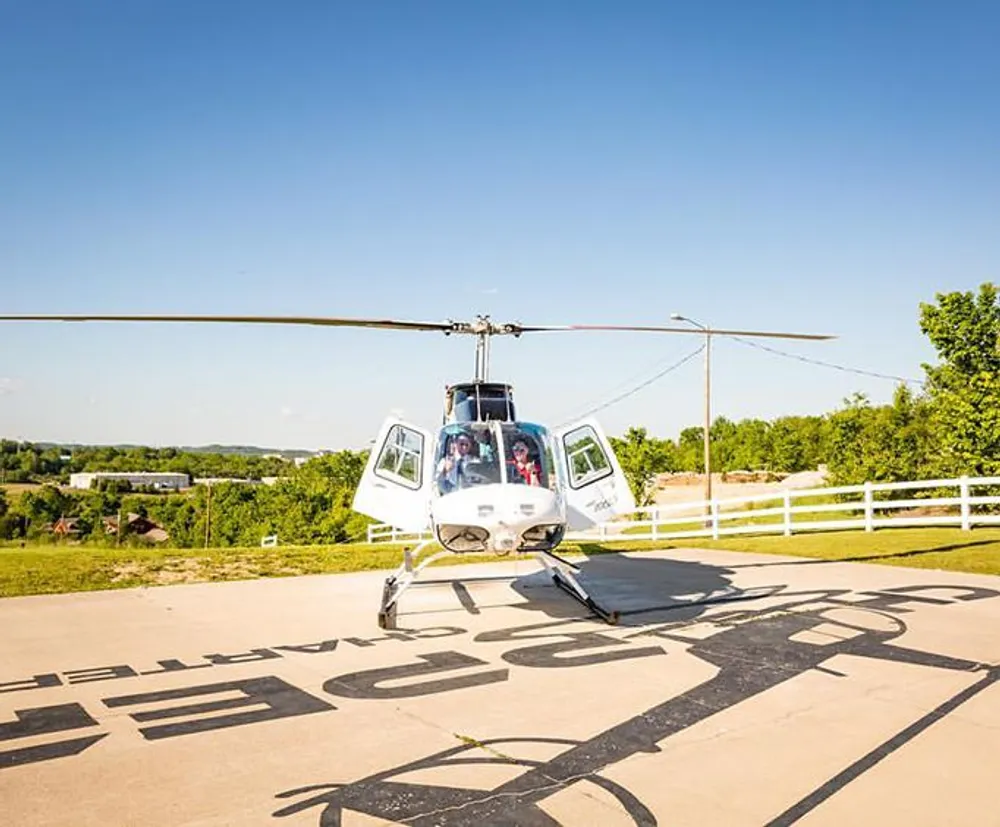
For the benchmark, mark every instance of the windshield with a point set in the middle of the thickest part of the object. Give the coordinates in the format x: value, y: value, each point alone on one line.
x: 528, y: 455
x: 467, y: 455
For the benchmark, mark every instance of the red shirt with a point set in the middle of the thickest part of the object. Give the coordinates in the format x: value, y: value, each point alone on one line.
x: 528, y: 471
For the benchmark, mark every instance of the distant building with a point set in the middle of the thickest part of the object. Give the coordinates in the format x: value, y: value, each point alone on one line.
x: 219, y: 480
x: 149, y: 479
x: 66, y: 526
x: 138, y: 525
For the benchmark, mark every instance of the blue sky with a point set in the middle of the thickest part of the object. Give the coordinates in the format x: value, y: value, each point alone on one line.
x: 816, y: 167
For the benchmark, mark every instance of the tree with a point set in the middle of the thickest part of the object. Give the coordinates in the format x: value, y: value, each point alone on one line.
x: 752, y: 446
x: 797, y: 443
x: 642, y: 457
x: 964, y: 388
x: 43, y: 507
x: 690, y: 450
x: 886, y: 443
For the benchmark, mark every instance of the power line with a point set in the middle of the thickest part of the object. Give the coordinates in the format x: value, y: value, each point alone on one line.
x: 642, y: 385
x: 826, y: 364
x: 638, y: 375
x: 690, y: 356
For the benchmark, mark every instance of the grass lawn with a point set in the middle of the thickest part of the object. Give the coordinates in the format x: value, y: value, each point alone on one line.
x: 15, y: 489
x: 54, y: 569
x: 949, y: 549
x: 66, y: 568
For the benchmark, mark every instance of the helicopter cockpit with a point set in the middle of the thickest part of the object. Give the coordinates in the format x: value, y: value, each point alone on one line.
x: 487, y: 453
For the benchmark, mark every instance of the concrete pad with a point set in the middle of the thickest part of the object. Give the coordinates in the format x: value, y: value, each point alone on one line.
x: 737, y: 689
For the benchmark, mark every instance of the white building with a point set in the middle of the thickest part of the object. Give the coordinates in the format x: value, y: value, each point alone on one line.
x: 150, y: 479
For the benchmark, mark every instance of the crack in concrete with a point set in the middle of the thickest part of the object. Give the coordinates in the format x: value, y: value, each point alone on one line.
x: 555, y: 785
x: 475, y: 742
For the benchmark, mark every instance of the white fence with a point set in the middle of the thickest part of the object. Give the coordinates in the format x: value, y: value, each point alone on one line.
x: 951, y: 502
x: 383, y: 533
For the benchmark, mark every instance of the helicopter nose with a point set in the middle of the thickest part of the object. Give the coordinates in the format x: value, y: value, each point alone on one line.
x: 504, y: 539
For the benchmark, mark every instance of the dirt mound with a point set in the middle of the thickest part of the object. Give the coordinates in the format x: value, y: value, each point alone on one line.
x: 687, y: 487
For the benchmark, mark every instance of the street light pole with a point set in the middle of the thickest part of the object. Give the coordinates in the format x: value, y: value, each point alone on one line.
x: 706, y: 439
x: 708, y: 422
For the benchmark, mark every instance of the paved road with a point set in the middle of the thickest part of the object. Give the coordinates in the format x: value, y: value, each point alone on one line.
x: 737, y: 690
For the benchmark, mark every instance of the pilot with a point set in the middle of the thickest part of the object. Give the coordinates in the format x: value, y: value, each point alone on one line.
x: 525, y: 469
x: 452, y: 468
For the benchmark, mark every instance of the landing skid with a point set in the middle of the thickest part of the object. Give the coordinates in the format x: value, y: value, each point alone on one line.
x: 401, y: 580
x: 560, y: 570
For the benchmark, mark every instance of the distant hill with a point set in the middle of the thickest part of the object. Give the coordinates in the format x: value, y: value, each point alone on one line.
x: 244, y: 450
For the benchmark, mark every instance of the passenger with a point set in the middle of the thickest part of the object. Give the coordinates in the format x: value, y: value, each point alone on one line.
x: 485, y: 446
x: 525, y: 469
x: 451, y: 470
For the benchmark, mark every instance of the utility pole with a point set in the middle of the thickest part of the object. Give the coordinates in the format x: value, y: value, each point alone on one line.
x: 208, y: 514
x: 706, y: 439
x: 708, y: 423
x: 708, y: 331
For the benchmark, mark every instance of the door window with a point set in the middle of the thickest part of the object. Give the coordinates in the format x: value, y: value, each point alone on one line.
x: 400, y: 458
x: 586, y: 459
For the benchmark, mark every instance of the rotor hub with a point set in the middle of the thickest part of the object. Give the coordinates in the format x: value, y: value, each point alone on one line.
x: 485, y: 326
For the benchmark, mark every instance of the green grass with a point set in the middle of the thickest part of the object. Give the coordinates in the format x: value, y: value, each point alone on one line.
x: 739, y: 514
x: 66, y: 568
x: 949, y: 549
x: 55, y: 569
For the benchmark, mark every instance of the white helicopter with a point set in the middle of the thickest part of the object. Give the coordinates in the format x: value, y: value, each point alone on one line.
x: 485, y: 481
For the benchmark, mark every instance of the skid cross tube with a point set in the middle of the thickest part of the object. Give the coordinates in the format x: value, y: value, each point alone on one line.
x: 561, y: 571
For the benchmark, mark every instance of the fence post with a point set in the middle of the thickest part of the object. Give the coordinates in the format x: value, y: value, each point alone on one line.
x: 966, y: 506
x: 655, y: 515
x: 788, y: 513
x: 603, y: 531
x: 869, y: 510
x: 715, y: 519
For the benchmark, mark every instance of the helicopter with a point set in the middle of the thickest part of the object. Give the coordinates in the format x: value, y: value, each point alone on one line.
x: 486, y: 481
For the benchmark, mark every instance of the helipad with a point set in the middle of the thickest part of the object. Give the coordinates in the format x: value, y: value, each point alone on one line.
x: 737, y: 690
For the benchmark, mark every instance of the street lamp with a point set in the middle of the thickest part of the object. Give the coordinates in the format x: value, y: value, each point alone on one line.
x: 677, y: 317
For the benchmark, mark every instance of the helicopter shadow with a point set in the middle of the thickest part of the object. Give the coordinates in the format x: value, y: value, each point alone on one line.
x: 642, y: 589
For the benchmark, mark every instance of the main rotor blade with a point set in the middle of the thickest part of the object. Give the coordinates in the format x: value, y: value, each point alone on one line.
x: 482, y: 326
x: 322, y: 321
x: 660, y: 329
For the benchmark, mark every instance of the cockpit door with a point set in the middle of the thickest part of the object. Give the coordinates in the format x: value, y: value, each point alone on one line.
x: 596, y: 488
x: 396, y: 484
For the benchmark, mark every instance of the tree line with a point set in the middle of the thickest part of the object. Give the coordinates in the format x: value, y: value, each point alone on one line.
x: 948, y: 427
x: 32, y: 462
x: 312, y: 504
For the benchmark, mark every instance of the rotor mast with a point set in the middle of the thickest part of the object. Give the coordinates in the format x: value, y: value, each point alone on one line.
x: 483, y: 328
x: 482, y: 357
